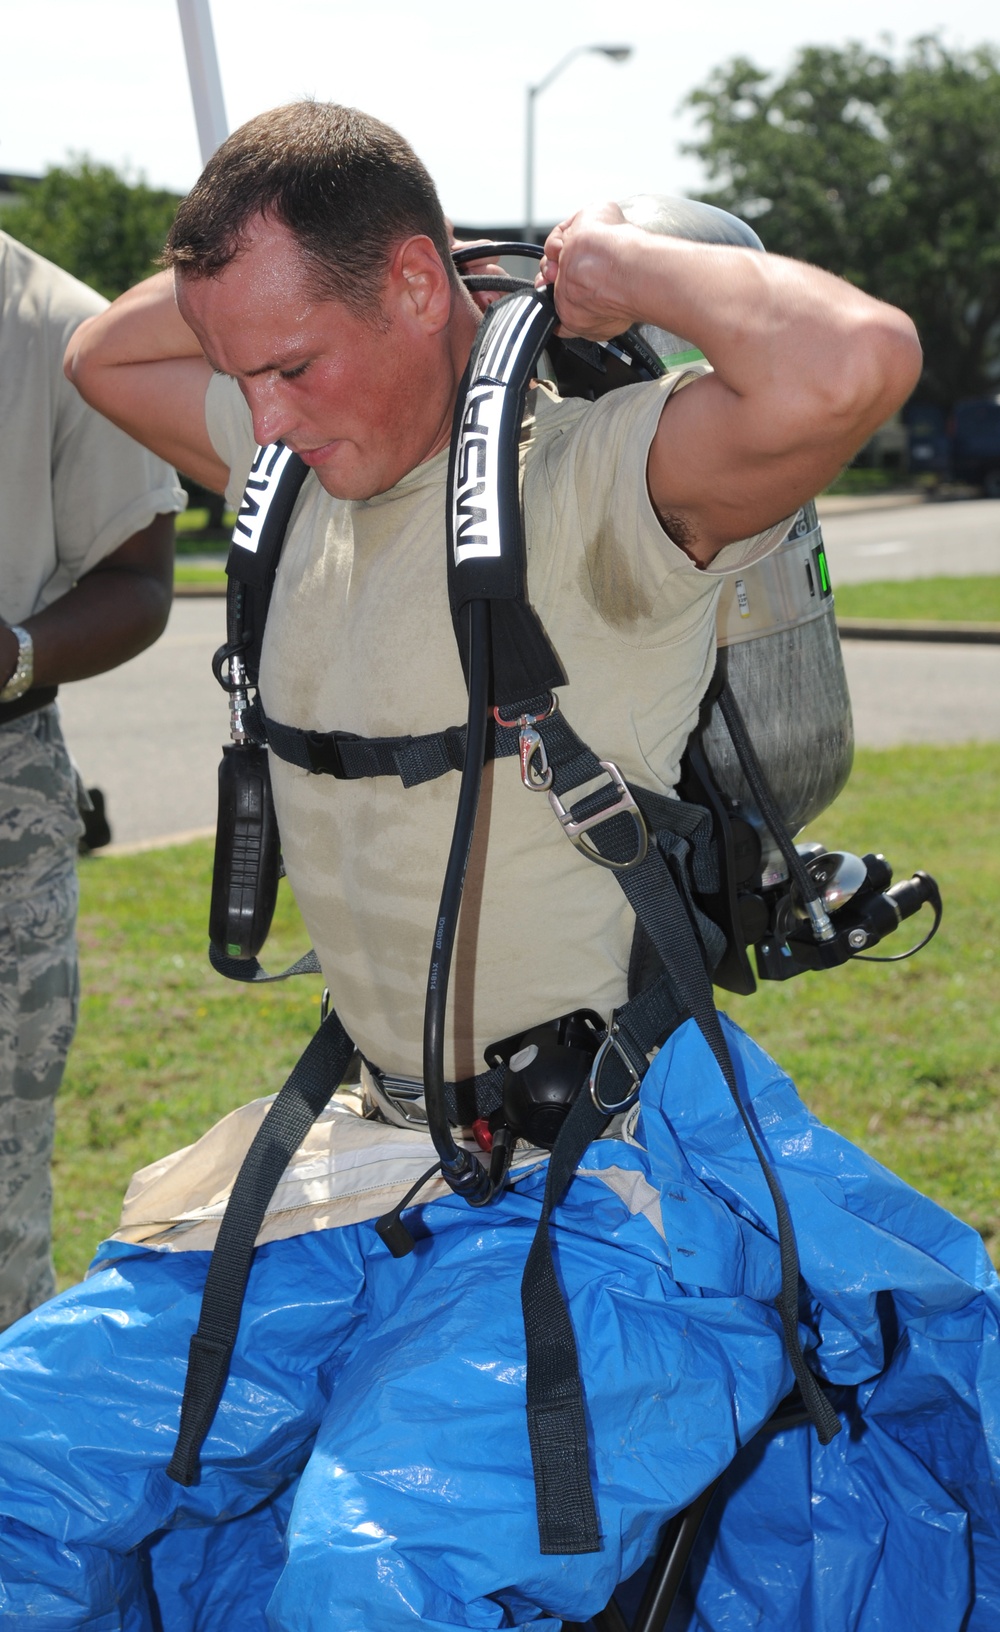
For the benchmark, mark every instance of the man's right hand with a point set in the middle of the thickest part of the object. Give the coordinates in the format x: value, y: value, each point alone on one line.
x: 139, y: 365
x: 587, y: 261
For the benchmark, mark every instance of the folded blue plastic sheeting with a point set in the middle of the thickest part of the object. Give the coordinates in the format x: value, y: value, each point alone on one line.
x: 369, y: 1465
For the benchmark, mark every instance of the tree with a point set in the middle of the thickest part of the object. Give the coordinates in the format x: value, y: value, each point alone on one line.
x: 105, y: 230
x: 884, y: 171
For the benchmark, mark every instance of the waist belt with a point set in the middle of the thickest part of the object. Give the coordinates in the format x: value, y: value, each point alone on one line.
x: 30, y: 703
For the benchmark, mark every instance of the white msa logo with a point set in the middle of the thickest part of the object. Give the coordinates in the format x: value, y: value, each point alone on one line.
x: 258, y: 496
x: 477, y: 530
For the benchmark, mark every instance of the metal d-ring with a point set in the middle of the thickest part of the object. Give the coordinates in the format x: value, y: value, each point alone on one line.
x: 624, y: 805
x: 611, y: 1041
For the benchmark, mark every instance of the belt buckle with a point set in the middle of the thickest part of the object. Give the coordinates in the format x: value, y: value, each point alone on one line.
x: 624, y: 805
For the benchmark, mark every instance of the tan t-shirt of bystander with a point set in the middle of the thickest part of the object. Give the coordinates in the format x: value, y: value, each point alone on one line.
x: 360, y: 638
x: 72, y: 486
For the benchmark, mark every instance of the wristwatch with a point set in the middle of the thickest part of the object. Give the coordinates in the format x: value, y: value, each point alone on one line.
x: 24, y: 668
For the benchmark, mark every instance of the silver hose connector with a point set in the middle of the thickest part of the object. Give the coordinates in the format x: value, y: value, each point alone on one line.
x: 239, y: 702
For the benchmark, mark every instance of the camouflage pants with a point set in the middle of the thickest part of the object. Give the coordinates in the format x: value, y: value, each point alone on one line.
x: 39, y: 827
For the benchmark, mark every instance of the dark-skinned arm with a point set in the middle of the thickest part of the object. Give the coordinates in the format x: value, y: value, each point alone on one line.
x: 114, y: 612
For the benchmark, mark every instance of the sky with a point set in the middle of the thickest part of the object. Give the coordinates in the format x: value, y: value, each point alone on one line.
x: 107, y: 78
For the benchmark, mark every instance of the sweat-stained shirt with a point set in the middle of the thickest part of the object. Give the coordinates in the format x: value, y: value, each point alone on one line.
x: 360, y: 638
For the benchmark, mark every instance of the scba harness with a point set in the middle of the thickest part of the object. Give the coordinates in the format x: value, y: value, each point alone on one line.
x: 560, y: 1085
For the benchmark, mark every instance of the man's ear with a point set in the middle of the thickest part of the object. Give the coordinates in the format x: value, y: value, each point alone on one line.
x: 421, y: 283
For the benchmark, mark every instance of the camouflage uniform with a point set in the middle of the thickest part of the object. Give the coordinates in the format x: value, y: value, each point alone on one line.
x: 39, y: 828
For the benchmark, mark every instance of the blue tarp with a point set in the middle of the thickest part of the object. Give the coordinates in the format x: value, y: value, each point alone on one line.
x: 369, y: 1465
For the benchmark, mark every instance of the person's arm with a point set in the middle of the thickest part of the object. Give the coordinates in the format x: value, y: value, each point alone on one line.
x: 115, y: 611
x: 139, y: 365
x: 805, y: 368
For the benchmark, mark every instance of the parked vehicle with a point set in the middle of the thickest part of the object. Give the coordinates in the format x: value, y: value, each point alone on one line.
x: 975, y: 443
x: 929, y: 452
x: 963, y: 446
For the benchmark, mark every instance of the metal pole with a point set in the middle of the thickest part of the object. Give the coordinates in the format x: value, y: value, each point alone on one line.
x: 616, y: 53
x: 529, y: 167
x: 203, y: 73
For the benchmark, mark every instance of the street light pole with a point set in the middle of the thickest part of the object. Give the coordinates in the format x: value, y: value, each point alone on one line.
x: 616, y: 53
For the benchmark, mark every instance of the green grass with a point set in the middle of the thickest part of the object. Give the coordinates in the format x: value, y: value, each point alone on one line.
x: 863, y: 481
x: 903, y: 1059
x: 165, y: 1046
x: 965, y: 600
x: 200, y: 574
x: 192, y: 532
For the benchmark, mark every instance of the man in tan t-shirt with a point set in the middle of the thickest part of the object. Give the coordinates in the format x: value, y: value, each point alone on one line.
x: 310, y: 269
x: 345, y: 335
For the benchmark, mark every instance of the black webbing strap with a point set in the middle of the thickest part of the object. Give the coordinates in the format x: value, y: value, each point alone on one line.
x: 308, y: 1090
x: 564, y: 1495
x: 348, y: 758
x: 557, y: 1423
x: 250, y: 971
x: 652, y: 892
x: 670, y: 929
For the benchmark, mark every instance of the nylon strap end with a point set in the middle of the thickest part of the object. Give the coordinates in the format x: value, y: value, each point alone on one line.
x: 208, y: 1368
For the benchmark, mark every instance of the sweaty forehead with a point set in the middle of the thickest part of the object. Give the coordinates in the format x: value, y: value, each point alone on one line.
x: 258, y: 313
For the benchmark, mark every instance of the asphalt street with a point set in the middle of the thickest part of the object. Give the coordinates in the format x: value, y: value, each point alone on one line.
x: 954, y: 540
x: 150, y: 732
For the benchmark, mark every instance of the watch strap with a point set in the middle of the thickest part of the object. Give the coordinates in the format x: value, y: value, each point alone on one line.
x: 24, y: 668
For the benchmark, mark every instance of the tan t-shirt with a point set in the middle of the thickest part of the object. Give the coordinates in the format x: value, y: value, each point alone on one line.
x: 72, y: 486
x: 359, y: 638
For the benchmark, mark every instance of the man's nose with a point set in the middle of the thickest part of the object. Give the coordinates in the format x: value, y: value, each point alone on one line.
x: 273, y: 418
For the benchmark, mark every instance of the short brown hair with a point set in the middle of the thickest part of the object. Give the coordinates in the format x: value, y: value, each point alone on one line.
x: 347, y: 186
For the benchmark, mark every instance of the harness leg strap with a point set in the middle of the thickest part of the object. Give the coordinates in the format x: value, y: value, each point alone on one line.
x: 313, y: 1081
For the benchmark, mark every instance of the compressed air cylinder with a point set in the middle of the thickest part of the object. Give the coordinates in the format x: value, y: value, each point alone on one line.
x: 786, y: 671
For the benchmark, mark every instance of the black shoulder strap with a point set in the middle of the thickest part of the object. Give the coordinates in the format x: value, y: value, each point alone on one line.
x: 274, y: 484
x: 486, y: 553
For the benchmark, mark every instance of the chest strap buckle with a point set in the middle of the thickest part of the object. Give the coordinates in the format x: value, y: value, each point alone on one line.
x: 575, y: 828
x: 323, y: 752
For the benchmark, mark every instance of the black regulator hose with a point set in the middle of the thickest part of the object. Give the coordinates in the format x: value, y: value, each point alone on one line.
x: 466, y: 1176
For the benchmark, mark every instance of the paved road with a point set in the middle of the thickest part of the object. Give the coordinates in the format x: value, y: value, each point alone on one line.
x: 920, y: 541
x: 150, y: 732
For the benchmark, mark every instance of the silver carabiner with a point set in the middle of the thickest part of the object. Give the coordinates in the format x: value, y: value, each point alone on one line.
x: 536, y: 772
x: 537, y: 778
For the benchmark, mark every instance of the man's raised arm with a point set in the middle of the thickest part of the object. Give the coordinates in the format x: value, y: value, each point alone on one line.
x: 139, y: 365
x: 805, y: 368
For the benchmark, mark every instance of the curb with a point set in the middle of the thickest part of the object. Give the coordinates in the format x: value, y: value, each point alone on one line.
x: 972, y: 634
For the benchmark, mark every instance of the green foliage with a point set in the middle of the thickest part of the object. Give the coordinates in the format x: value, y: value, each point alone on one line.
x: 885, y: 172
x: 104, y: 229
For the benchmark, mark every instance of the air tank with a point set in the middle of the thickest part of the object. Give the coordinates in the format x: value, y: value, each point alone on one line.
x: 775, y: 619
x: 776, y: 625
